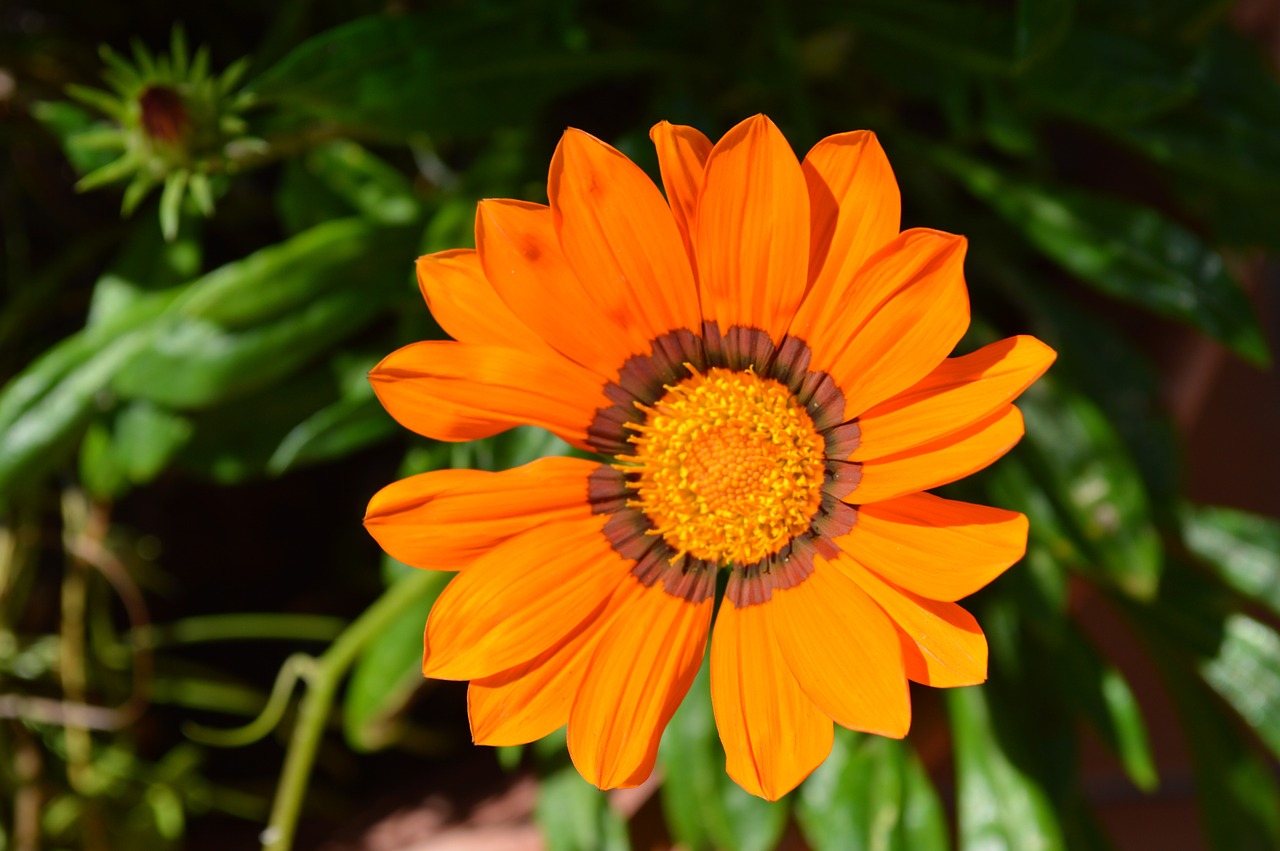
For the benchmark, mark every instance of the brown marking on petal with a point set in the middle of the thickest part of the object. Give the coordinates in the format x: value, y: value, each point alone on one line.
x: 608, y: 433
x: 607, y: 490
x: 748, y: 348
x: 681, y: 348
x: 842, y: 440
x: 754, y: 584
x: 713, y: 345
x: 628, y: 533
x: 791, y: 363
x: 842, y: 478
x: 825, y: 404
x: 834, y: 518
x: 651, y: 566
x: 682, y: 576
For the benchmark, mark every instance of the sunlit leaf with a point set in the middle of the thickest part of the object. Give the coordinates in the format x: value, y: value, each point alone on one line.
x: 1242, y: 548
x: 872, y: 794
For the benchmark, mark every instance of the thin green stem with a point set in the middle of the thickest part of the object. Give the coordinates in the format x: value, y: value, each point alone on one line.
x: 323, y: 684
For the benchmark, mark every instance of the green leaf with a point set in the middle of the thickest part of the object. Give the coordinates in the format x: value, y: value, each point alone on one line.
x: 43, y: 409
x: 1242, y: 549
x: 388, y: 672
x: 1235, y: 790
x: 1226, y: 135
x: 1102, y: 695
x: 999, y: 808
x: 573, y: 815
x: 455, y: 72
x: 1094, y: 488
x: 704, y: 808
x: 193, y: 363
x: 146, y: 264
x: 871, y: 794
x: 175, y: 189
x: 1246, y: 672
x: 369, y: 185
x: 1126, y: 251
x: 275, y: 281
x: 1104, y: 77
x: 71, y: 126
x: 1040, y: 26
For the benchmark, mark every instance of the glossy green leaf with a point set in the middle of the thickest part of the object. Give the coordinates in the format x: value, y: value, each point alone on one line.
x: 573, y: 815
x: 703, y: 807
x: 458, y: 71
x: 1126, y: 251
x: 1242, y: 549
x: 872, y: 794
x: 1094, y: 486
x: 388, y: 672
x: 1246, y: 672
x: 999, y: 808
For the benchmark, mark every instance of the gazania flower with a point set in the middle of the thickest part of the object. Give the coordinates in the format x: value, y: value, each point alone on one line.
x: 760, y: 363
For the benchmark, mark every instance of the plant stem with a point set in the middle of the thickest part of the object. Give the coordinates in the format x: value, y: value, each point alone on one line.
x: 323, y: 682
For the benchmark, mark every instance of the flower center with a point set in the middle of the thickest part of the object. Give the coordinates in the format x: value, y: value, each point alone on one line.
x: 730, y: 466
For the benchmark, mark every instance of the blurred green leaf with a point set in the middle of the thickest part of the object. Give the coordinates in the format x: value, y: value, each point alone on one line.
x: 1102, y: 695
x: 454, y: 72
x: 1039, y: 27
x: 1235, y: 790
x: 975, y: 38
x: 998, y: 808
x: 872, y: 794
x: 1126, y: 251
x: 1226, y: 134
x: 1242, y: 549
x: 1108, y: 78
x: 704, y: 808
x: 371, y: 187
x: 130, y: 447
x: 87, y: 142
x: 278, y: 281
x: 147, y: 263
x: 1246, y: 672
x: 388, y: 672
x: 573, y: 815
x: 1092, y: 485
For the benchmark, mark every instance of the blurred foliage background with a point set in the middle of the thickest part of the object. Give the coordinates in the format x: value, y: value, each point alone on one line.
x: 194, y: 629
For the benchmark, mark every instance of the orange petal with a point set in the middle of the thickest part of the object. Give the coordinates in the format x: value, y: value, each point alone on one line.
x: 753, y: 230
x: 520, y: 598
x: 947, y: 646
x: 461, y: 391
x: 939, y: 461
x: 938, y: 548
x: 641, y: 671
x: 959, y: 392
x: 520, y: 252
x: 682, y: 153
x: 532, y: 700
x: 773, y: 734
x: 620, y: 238
x: 444, y: 519
x: 466, y: 305
x: 893, y: 322
x: 854, y: 206
x: 844, y: 652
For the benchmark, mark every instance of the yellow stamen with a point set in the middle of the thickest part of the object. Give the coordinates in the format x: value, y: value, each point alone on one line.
x: 730, y: 466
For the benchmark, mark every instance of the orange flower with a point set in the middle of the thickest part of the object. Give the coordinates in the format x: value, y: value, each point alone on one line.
x: 761, y: 360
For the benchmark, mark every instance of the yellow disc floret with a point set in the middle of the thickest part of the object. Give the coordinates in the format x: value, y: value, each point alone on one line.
x: 730, y: 466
